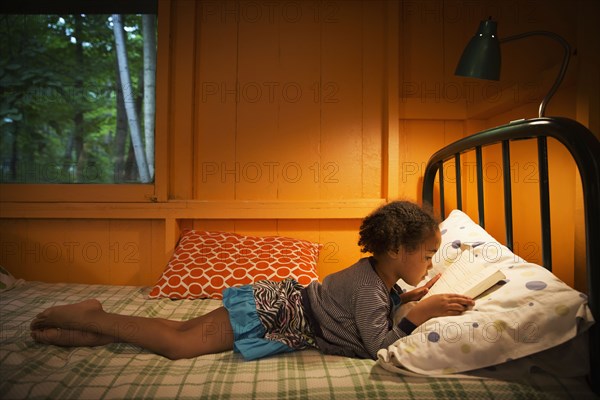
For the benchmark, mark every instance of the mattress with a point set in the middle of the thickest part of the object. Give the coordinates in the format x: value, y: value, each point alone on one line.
x: 121, y: 371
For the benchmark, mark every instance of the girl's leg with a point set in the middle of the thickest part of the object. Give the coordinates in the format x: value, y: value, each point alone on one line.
x: 210, y: 333
x: 70, y: 337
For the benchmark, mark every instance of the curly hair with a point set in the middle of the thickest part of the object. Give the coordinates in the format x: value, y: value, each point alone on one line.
x: 394, y: 225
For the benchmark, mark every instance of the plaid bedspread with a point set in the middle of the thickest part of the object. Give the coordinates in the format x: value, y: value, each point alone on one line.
x: 119, y: 371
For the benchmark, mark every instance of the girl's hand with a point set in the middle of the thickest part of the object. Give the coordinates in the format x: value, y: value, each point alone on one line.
x: 439, y: 305
x: 416, y: 294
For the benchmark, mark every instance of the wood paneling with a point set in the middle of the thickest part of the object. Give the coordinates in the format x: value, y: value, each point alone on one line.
x: 87, y: 251
x: 298, y: 119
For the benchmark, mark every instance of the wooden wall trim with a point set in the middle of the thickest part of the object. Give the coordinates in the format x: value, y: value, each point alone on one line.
x: 69, y: 192
x: 391, y: 130
x: 164, y: 59
x: 191, y: 209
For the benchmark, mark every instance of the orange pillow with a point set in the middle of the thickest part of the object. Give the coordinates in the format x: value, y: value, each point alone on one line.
x: 205, y: 263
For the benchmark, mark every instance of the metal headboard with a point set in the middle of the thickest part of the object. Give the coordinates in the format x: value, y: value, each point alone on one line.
x: 585, y: 150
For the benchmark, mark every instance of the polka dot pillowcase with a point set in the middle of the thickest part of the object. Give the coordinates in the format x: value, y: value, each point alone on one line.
x: 531, y: 311
x: 205, y: 263
x: 460, y: 233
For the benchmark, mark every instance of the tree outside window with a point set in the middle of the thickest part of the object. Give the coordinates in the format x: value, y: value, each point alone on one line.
x: 77, y: 98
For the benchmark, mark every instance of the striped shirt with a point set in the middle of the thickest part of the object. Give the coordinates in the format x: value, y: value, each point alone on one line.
x: 352, y: 311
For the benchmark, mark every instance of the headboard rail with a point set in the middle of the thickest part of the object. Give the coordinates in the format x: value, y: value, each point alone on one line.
x: 585, y: 151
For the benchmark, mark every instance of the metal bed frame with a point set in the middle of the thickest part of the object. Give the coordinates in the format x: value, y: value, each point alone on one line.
x: 585, y: 150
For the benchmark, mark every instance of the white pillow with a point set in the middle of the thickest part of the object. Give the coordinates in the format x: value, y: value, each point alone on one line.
x: 531, y: 312
x: 7, y: 281
x: 460, y: 233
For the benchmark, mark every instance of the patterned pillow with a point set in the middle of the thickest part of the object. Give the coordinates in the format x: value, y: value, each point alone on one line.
x: 205, y: 263
x: 460, y: 233
x: 531, y: 312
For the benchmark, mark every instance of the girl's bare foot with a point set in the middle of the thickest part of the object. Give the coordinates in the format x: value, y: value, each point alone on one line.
x: 70, y: 337
x: 72, y: 316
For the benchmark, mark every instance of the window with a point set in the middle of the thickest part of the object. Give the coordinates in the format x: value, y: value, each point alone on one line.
x: 77, y: 82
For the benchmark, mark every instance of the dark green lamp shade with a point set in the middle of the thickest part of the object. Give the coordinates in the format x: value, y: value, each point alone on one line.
x: 481, y: 57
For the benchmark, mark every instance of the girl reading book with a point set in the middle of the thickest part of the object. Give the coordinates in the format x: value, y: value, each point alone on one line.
x: 350, y: 313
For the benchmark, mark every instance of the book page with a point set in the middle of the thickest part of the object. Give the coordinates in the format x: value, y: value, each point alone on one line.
x: 465, y: 277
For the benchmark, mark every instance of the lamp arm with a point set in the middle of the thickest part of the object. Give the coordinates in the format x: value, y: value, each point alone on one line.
x: 563, y: 68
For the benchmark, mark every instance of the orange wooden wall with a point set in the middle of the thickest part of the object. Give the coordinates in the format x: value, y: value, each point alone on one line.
x: 298, y: 118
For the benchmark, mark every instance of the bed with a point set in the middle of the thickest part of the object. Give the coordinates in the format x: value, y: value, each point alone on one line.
x: 557, y: 369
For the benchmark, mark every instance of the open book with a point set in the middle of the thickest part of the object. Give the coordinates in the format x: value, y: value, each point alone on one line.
x: 467, y: 278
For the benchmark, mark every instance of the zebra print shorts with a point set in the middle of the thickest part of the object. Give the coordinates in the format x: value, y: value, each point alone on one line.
x: 279, y: 308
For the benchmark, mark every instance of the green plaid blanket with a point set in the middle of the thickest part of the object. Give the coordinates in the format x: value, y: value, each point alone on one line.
x: 33, y: 371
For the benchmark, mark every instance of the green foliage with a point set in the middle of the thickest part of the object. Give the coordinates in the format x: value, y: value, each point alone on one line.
x: 58, y: 97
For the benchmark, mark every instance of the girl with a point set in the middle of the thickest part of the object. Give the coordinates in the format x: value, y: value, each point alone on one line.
x: 350, y: 313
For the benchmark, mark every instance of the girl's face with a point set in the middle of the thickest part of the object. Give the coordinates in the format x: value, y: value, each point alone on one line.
x: 412, y: 266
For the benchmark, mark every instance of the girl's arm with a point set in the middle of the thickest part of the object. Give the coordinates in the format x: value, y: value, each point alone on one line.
x: 372, y: 318
x: 438, y: 306
x: 417, y: 293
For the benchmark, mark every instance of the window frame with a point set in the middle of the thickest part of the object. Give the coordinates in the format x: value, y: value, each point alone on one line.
x: 105, y: 192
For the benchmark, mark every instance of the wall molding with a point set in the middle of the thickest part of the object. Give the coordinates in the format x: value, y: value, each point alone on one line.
x: 196, y: 209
